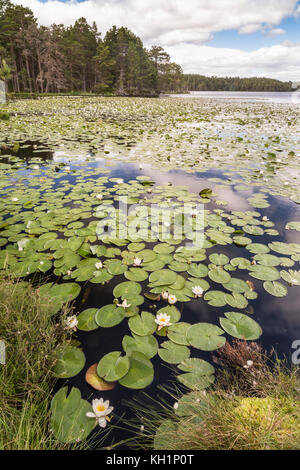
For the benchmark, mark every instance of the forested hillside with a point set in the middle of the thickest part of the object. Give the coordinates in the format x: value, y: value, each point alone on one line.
x: 195, y: 82
x: 76, y: 58
x: 56, y: 59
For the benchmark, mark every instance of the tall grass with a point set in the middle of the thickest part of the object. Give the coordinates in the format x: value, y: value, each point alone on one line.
x: 252, y: 406
x: 26, y: 382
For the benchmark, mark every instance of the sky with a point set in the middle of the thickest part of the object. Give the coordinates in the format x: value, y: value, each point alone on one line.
x: 211, y: 37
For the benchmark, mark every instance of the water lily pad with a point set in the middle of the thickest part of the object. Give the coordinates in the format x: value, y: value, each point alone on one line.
x: 140, y: 374
x: 199, y: 374
x: 219, y: 275
x: 143, y: 325
x: 127, y: 289
x: 113, y: 366
x: 144, y: 344
x: 205, y: 336
x: 68, y: 416
x: 86, y: 320
x: 219, y: 259
x: 93, y: 379
x: 109, y: 316
x: 177, y: 333
x: 240, y: 326
x: 69, y: 361
x: 215, y: 298
x: 264, y: 273
x: 173, y: 353
x: 275, y: 288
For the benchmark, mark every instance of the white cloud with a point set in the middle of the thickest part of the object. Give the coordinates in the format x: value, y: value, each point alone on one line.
x: 276, y: 32
x: 280, y: 61
x: 168, y: 22
x: 185, y: 27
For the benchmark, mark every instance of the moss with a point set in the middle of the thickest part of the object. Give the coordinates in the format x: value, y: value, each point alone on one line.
x: 4, y: 116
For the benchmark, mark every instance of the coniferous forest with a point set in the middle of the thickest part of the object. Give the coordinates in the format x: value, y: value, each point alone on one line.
x: 79, y: 59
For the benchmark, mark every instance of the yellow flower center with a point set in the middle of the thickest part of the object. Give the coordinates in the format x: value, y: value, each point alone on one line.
x: 100, y: 408
x: 163, y: 319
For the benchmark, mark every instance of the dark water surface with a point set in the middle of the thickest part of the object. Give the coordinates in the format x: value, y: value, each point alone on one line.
x: 278, y: 317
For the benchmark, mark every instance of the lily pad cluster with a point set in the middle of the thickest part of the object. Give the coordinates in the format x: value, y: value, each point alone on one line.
x: 62, y: 187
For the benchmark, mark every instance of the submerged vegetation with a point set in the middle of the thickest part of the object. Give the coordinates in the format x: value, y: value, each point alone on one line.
x: 188, y: 171
x: 254, y: 405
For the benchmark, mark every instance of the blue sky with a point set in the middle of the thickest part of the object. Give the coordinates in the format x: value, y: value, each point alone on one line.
x: 250, y: 42
x: 212, y: 37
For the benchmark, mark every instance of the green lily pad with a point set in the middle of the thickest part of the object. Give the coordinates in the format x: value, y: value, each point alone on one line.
x: 205, y: 336
x: 241, y: 326
x: 68, y: 420
x: 69, y: 361
x: 275, y: 288
x: 173, y: 353
x: 143, y: 325
x: 113, y: 366
x: 109, y: 316
x: 144, y: 344
x: 86, y: 320
x: 140, y: 374
x: 199, y: 374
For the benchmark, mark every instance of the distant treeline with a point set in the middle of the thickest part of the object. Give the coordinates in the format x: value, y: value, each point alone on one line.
x: 38, y: 59
x: 195, y: 82
x: 76, y: 59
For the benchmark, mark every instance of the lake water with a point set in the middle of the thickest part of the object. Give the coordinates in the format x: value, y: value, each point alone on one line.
x: 271, y: 97
x: 58, y: 154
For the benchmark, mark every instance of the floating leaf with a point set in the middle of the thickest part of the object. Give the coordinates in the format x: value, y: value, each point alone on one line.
x: 205, y: 336
x: 173, y: 353
x: 240, y: 326
x: 93, y: 379
x: 109, y: 316
x: 275, y: 288
x: 69, y: 361
x: 140, y: 373
x: 68, y: 420
x: 144, y: 344
x: 113, y: 366
x: 86, y: 320
x: 143, y: 325
x: 199, y: 373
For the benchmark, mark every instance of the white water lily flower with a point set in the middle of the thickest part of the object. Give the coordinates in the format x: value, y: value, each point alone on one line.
x: 99, y: 265
x: 172, y: 299
x: 265, y: 218
x: 124, y: 304
x: 197, y: 291
x: 67, y: 168
x: 41, y: 262
x: 175, y: 406
x: 36, y: 167
x: 69, y: 272
x: 101, y: 410
x: 141, y: 167
x: 120, y: 181
x: 249, y: 363
x: 137, y: 261
x: 165, y: 295
x: 162, y: 319
x: 71, y: 323
x: 15, y: 199
x: 99, y: 196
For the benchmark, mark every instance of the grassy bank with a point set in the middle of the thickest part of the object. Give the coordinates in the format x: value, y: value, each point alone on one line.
x: 254, y: 405
x: 26, y: 383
